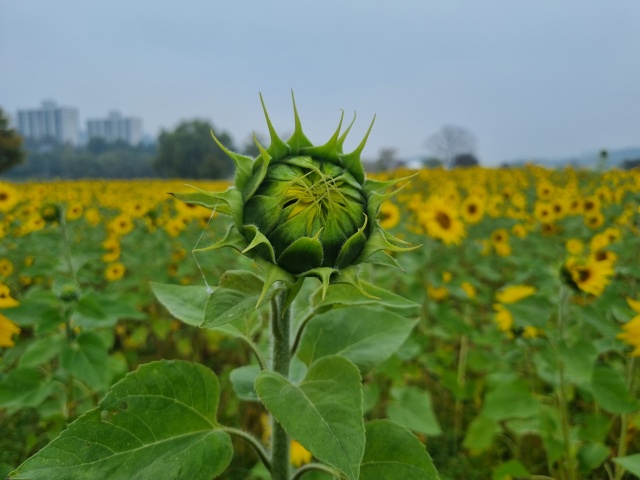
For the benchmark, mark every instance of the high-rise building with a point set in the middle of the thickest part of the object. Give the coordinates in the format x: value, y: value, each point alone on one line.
x: 50, y: 122
x: 116, y: 127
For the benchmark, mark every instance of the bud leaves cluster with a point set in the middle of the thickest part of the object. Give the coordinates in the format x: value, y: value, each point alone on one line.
x: 301, y: 210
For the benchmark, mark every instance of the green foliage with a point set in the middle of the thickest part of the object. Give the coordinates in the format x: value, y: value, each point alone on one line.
x: 11, y: 152
x: 117, y: 160
x: 159, y: 421
x: 391, y: 451
x: 188, y: 152
x: 364, y: 335
x: 329, y: 401
x: 412, y: 408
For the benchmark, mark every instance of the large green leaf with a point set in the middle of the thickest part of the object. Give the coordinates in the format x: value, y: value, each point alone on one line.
x: 630, y: 463
x: 480, y: 434
x: 237, y: 296
x: 158, y: 422
x: 42, y: 350
x: 610, y: 391
x: 345, y: 295
x: 510, y: 399
x: 323, y: 413
x: 578, y: 360
x: 25, y: 387
x: 243, y: 378
x: 186, y: 303
x: 411, y: 407
x: 364, y: 335
x: 86, y: 358
x: 392, y: 451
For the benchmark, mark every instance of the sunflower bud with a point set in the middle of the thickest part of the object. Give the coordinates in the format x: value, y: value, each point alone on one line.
x: 301, y: 210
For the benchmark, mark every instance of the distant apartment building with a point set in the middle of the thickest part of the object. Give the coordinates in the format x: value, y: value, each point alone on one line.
x: 50, y: 122
x: 116, y: 127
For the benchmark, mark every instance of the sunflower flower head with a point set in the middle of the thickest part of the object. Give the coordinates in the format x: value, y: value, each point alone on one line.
x: 302, y: 210
x: 515, y: 293
x: 587, y: 275
x: 441, y: 221
x: 631, y: 330
x: 8, y: 197
x: 7, y: 330
x: 6, y: 301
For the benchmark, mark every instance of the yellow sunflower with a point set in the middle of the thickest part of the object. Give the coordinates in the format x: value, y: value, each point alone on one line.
x: 519, y: 230
x: 441, y: 221
x: 545, y: 190
x: 92, y: 216
x: 588, y: 275
x: 591, y: 204
x: 112, y: 246
x: 6, y: 301
x: 8, y: 197
x: 503, y: 318
x: 469, y: 289
x: 594, y: 220
x: 6, y: 267
x: 472, y: 209
x: 531, y: 332
x: 114, y: 272
x: 515, y: 293
x: 74, y: 211
x: 543, y: 212
x: 121, y: 225
x: 631, y: 330
x: 389, y: 215
x: 574, y: 246
x: 7, y: 330
x: 437, y: 293
x: 299, y: 454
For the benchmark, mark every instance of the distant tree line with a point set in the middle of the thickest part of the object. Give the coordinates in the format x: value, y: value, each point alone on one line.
x: 188, y: 151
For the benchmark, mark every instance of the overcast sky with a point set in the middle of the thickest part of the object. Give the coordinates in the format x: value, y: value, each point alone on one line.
x: 529, y: 78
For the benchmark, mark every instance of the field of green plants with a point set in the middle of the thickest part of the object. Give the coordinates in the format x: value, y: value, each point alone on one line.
x: 505, y: 339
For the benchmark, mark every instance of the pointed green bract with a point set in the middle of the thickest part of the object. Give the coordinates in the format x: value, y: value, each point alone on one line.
x: 244, y: 164
x: 302, y: 255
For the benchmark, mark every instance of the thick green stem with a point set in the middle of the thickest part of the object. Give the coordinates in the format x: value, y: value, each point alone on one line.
x: 281, y: 357
x: 569, y: 467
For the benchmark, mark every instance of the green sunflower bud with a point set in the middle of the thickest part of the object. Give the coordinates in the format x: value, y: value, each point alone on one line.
x: 301, y: 210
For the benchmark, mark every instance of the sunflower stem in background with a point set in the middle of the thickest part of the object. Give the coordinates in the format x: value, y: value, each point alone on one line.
x: 624, y: 418
x: 569, y: 466
x: 70, y: 386
x: 461, y: 378
x: 281, y: 357
x: 67, y: 248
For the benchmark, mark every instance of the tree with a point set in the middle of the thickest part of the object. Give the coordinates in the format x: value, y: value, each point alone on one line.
x: 387, y: 160
x: 431, y: 162
x: 190, y: 152
x: 628, y: 164
x: 11, y: 152
x: 464, y: 160
x: 451, y: 141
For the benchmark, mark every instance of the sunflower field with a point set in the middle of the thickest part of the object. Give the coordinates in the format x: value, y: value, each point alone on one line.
x: 522, y: 361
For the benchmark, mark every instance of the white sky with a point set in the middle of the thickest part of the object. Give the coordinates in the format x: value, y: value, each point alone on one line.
x: 529, y: 78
